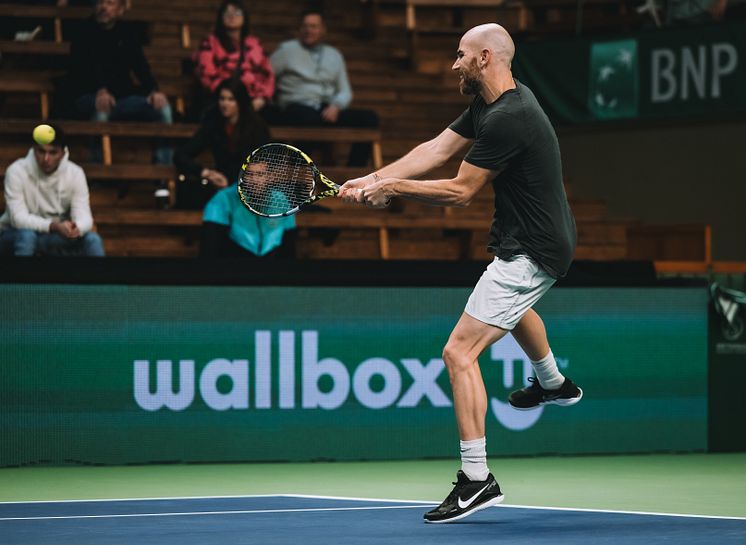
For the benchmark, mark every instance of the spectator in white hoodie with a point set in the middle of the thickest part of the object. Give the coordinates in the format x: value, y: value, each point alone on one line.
x: 47, y: 207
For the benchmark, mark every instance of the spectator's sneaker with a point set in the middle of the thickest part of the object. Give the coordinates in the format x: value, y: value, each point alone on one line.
x: 466, y: 498
x: 532, y: 396
x: 162, y: 198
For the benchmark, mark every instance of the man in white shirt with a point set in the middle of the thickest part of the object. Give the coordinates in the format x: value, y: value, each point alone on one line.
x: 47, y: 206
x: 312, y: 85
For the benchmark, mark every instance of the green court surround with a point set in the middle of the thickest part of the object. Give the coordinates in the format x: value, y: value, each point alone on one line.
x: 704, y: 484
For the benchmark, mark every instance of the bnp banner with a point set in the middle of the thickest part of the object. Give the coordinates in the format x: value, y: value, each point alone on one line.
x: 117, y: 374
x: 653, y: 74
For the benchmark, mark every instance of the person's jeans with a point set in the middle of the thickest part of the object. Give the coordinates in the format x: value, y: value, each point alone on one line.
x: 25, y: 242
x: 6, y: 243
x: 131, y: 108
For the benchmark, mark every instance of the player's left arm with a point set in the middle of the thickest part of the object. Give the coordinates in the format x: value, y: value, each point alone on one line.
x: 458, y: 191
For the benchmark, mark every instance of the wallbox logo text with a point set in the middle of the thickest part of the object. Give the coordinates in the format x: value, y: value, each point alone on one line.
x: 312, y: 371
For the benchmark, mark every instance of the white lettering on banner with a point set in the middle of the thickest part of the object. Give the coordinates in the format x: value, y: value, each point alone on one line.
x: 238, y: 372
x: 313, y: 370
x: 361, y: 383
x: 343, y: 381
x: 263, y: 377
x: 424, y: 384
x: 164, y: 394
x: 287, y: 370
x: 725, y: 69
x: 694, y: 71
x: 662, y: 69
x: 667, y: 82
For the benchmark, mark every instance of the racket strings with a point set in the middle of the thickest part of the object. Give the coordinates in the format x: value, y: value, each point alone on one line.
x: 276, y: 180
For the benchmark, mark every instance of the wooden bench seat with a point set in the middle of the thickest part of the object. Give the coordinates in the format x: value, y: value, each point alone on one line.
x: 180, y: 88
x: 47, y: 49
x: 389, y: 230
x: 61, y: 49
x: 41, y: 82
x: 518, y: 16
x: 131, y: 186
x: 95, y: 171
x: 680, y: 250
x: 690, y: 242
x: 107, y: 130
x: 414, y: 29
x: 597, y: 238
x: 29, y: 82
x: 57, y: 14
x: 199, y: 15
x: 124, y: 217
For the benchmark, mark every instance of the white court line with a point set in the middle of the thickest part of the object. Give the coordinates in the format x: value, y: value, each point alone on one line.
x: 510, y: 506
x: 348, y: 498
x: 620, y: 512
x: 164, y: 498
x: 201, y: 513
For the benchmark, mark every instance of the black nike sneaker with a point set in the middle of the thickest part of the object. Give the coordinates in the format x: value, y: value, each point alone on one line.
x: 467, y: 497
x: 534, y: 395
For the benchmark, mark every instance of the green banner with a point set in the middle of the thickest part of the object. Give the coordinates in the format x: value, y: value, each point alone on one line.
x: 652, y: 74
x: 614, y: 84
x: 116, y: 374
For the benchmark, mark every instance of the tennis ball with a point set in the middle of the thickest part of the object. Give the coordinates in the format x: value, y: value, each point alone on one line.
x: 43, y: 135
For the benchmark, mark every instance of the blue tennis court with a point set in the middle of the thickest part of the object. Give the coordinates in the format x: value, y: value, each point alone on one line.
x: 322, y: 520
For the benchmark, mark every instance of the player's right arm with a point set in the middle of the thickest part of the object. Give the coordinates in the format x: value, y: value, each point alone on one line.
x: 418, y: 162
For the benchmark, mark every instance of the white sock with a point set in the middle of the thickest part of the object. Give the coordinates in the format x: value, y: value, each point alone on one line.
x: 474, y: 459
x: 546, y: 371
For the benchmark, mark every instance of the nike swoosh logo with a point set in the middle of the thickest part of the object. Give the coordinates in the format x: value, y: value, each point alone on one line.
x: 467, y: 503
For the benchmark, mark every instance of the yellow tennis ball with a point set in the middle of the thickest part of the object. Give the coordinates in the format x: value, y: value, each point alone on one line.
x: 43, y: 135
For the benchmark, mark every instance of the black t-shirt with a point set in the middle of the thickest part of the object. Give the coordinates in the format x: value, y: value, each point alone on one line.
x: 109, y: 58
x: 532, y: 216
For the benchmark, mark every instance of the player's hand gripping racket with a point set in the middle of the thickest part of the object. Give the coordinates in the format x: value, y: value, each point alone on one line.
x: 278, y: 179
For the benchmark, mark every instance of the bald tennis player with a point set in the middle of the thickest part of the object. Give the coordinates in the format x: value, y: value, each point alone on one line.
x: 512, y: 145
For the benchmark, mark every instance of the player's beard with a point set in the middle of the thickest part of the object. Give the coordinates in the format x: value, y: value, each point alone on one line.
x: 471, y: 80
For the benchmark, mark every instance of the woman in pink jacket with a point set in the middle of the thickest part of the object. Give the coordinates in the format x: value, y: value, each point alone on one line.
x: 231, y: 52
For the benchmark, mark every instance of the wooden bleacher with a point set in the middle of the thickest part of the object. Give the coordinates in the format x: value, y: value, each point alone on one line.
x: 142, y: 13
x: 412, y: 106
x: 109, y: 130
x: 432, y: 25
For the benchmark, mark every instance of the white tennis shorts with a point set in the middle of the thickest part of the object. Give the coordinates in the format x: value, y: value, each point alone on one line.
x: 506, y: 290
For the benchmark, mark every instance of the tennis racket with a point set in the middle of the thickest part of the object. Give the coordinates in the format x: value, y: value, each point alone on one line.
x: 278, y: 180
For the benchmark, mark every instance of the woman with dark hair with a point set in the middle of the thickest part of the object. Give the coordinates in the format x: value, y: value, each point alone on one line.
x: 230, y: 52
x: 231, y: 131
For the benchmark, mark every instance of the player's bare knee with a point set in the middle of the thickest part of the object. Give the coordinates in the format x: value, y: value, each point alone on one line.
x: 454, y: 358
